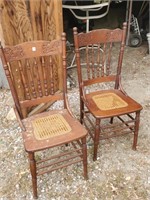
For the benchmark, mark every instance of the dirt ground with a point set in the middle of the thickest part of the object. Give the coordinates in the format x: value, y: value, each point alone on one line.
x: 119, y: 173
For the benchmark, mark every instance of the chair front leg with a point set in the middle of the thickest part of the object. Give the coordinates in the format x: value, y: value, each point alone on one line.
x: 137, y: 122
x: 84, y: 151
x: 96, y: 138
x: 32, y: 163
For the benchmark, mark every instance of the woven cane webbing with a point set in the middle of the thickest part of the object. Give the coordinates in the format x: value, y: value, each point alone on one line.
x: 109, y: 101
x: 50, y: 126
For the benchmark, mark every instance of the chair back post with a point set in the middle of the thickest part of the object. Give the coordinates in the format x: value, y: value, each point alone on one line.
x: 64, y: 75
x: 8, y: 75
x: 123, y: 39
x: 75, y: 33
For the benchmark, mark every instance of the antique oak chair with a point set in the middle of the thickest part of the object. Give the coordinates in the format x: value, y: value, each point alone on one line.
x: 99, y: 55
x: 32, y: 66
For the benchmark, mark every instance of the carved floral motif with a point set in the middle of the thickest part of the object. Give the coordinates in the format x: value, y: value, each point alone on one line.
x: 14, y: 52
x: 51, y: 47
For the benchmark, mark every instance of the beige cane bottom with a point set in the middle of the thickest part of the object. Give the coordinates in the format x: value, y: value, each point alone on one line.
x: 50, y: 126
x: 109, y: 101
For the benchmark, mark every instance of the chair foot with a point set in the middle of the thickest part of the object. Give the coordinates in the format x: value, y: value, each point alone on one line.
x: 134, y: 148
x: 94, y: 159
x: 86, y: 178
x: 35, y: 197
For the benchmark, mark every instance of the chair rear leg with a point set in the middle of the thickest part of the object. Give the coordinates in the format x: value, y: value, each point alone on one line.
x: 81, y: 111
x: 96, y: 138
x: 137, y: 121
x: 84, y: 150
x: 33, y: 173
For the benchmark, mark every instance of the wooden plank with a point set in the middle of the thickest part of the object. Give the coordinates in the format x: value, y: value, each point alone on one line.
x: 59, y: 29
x: 1, y: 30
x: 5, y: 20
x: 48, y: 19
x: 58, y: 17
x: 35, y: 14
x: 15, y: 22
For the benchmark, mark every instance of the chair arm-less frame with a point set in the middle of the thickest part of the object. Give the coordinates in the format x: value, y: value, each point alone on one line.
x: 102, y: 97
x: 32, y: 67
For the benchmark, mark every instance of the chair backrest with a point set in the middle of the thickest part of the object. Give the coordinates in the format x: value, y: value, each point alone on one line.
x: 99, y: 55
x: 32, y: 71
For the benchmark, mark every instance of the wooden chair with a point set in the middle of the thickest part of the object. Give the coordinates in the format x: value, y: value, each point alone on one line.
x: 99, y: 56
x: 35, y: 63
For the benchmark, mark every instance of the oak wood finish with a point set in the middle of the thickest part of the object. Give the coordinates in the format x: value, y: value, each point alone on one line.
x: 99, y: 56
x: 36, y: 62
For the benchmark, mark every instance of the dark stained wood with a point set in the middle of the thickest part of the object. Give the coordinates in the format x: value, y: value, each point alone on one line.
x: 36, y: 61
x: 99, y: 56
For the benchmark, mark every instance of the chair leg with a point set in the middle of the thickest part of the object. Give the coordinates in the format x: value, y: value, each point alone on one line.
x: 96, y: 138
x: 84, y: 150
x: 137, y: 121
x: 33, y: 173
x: 81, y: 111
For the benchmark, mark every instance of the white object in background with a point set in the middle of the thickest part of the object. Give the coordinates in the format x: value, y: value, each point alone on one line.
x: 87, y: 9
x: 148, y: 39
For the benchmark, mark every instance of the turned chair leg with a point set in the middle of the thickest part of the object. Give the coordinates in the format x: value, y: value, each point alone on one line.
x: 137, y: 121
x: 96, y: 139
x: 84, y: 151
x: 33, y: 173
